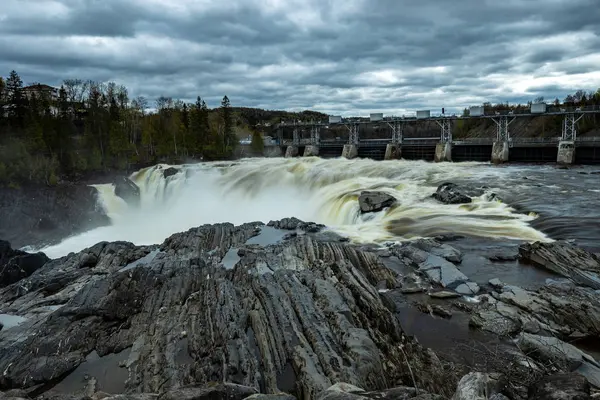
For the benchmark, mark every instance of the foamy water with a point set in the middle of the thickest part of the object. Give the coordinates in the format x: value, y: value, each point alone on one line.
x: 311, y: 189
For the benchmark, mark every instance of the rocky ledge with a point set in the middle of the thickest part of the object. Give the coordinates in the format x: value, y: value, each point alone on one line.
x: 210, y: 315
x: 35, y: 215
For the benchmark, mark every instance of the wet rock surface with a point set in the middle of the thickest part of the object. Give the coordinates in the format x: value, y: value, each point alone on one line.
x: 38, y: 215
x: 126, y: 189
x: 451, y: 193
x: 297, y: 316
x: 170, y: 172
x: 544, y: 322
x: 304, y: 316
x: 16, y: 264
x: 293, y: 223
x: 374, y: 201
x: 437, y: 262
x: 566, y: 260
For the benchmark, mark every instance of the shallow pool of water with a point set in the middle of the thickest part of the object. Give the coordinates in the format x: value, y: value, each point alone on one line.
x: 10, y: 321
x: 109, y: 375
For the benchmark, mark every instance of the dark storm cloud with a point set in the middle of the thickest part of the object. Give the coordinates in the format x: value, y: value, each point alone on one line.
x: 340, y: 56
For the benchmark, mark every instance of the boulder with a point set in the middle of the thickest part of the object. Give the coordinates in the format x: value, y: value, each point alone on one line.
x: 221, y: 391
x: 439, y: 249
x: 170, y: 172
x: 293, y: 223
x: 564, y: 259
x: 126, y: 189
x: 16, y: 264
x: 561, y: 386
x: 561, y: 355
x: 375, y: 201
x: 444, y: 294
x: 350, y: 392
x: 450, y: 193
x: 433, y: 263
x: 495, y: 282
x: 560, y: 308
x: 478, y: 386
x: 493, y: 321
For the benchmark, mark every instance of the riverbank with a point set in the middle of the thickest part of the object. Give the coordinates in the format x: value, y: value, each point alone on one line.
x: 293, y: 308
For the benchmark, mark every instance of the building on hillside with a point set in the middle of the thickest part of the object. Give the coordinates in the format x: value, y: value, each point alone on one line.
x: 40, y: 90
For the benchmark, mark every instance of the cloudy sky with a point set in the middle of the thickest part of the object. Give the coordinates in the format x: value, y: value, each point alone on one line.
x: 337, y: 56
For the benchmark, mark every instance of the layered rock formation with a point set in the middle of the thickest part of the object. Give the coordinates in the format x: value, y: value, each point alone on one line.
x: 210, y: 315
x: 297, y: 317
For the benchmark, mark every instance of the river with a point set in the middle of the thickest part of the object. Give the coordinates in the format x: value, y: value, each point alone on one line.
x: 534, y: 202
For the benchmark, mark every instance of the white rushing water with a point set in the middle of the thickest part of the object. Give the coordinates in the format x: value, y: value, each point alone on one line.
x: 311, y: 189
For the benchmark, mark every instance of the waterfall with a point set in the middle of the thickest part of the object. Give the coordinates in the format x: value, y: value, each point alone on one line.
x: 312, y: 189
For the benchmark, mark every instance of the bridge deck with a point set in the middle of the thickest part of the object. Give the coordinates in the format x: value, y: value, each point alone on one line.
x: 551, y: 111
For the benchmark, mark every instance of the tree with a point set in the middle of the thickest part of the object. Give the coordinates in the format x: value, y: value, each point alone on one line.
x: 15, y: 100
x: 257, y: 144
x: 2, y: 88
x: 569, y: 100
x: 2, y: 102
x: 228, y: 136
x: 199, y: 129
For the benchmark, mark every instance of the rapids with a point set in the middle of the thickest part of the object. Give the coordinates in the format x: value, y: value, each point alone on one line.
x: 312, y: 189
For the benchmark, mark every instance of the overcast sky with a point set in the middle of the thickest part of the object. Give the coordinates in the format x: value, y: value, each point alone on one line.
x: 337, y: 56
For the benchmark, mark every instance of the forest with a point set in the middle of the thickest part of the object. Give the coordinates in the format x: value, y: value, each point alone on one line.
x: 48, y: 134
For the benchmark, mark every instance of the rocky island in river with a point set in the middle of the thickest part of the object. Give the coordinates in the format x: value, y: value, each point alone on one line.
x: 300, y: 308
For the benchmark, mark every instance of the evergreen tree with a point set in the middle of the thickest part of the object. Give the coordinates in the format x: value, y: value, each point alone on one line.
x: 2, y: 94
x: 228, y: 135
x: 2, y: 103
x: 15, y: 100
x: 199, y: 129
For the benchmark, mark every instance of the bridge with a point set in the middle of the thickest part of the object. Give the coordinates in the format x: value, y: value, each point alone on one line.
x: 565, y: 149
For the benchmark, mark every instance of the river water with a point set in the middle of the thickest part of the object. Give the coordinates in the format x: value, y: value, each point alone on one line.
x: 534, y: 202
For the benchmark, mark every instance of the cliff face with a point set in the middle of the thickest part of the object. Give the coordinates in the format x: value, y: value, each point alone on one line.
x: 36, y: 214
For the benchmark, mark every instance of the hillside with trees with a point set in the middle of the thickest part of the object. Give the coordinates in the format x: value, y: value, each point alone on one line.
x: 84, y: 126
x: 48, y: 134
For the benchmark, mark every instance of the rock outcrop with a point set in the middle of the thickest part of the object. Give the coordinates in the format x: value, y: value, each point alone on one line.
x: 375, y: 201
x: 559, y: 308
x: 308, y: 316
x: 16, y: 264
x: 450, y: 193
x: 40, y: 215
x: 292, y: 224
x: 566, y: 260
x: 126, y: 189
x: 170, y: 172
x: 436, y: 261
x: 478, y: 386
x: 562, y: 386
x: 342, y: 391
x: 297, y: 316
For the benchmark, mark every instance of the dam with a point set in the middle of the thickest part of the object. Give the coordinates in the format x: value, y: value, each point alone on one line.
x: 566, y: 149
